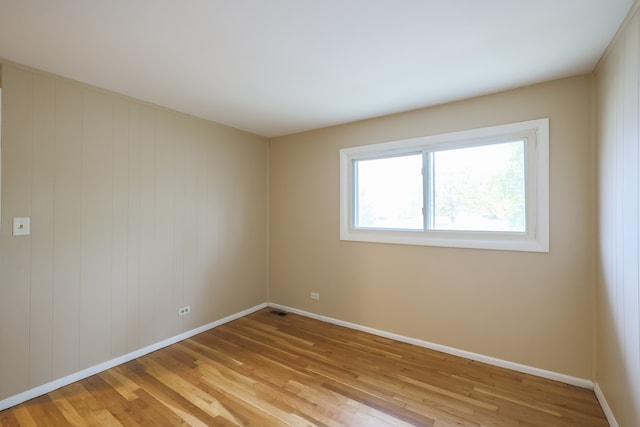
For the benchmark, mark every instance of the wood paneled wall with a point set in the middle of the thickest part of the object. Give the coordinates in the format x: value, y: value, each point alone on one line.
x: 618, y: 295
x: 135, y: 211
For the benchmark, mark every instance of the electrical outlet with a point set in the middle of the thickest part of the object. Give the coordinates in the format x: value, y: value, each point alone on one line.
x: 184, y: 310
x: 315, y: 296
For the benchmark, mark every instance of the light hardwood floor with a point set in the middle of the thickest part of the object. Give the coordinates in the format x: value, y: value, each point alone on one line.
x: 267, y: 370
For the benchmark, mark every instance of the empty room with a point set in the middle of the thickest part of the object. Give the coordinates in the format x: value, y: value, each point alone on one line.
x: 320, y: 213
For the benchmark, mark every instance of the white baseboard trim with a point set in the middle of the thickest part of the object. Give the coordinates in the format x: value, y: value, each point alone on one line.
x: 80, y: 375
x: 605, y: 406
x: 567, y: 379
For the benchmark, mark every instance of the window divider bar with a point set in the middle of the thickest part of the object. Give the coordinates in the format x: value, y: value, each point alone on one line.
x: 428, y: 188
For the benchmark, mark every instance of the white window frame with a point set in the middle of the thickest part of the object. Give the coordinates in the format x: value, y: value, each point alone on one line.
x: 534, y: 239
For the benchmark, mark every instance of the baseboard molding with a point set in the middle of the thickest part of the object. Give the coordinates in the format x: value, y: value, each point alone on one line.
x: 605, y: 406
x: 80, y: 375
x: 567, y: 379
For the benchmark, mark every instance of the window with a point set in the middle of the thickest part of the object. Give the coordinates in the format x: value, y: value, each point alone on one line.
x: 483, y: 188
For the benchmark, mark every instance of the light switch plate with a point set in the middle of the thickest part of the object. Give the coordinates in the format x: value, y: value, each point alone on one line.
x: 21, y: 226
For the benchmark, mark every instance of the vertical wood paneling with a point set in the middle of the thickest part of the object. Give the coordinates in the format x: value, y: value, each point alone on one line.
x: 178, y: 139
x: 607, y: 173
x: 209, y: 259
x: 631, y: 214
x: 40, y: 348
x: 119, y: 250
x: 221, y: 227
x: 195, y: 268
x: 635, y: 310
x: 133, y: 230
x: 189, y: 227
x: 619, y: 172
x: 165, y: 316
x: 608, y: 333
x: 97, y: 225
x: 17, y: 134
x: 618, y: 362
x: 123, y: 199
x: 67, y: 227
x: 146, y: 227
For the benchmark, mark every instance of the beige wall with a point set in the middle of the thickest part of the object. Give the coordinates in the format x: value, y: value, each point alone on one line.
x: 529, y: 308
x: 135, y: 211
x: 618, y: 294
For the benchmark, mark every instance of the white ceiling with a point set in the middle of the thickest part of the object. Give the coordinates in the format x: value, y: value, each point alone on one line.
x: 274, y: 67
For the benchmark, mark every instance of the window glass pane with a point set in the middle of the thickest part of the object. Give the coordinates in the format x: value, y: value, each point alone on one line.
x: 480, y: 188
x: 389, y: 193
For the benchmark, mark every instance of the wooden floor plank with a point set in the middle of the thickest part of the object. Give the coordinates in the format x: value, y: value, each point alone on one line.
x: 268, y: 370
